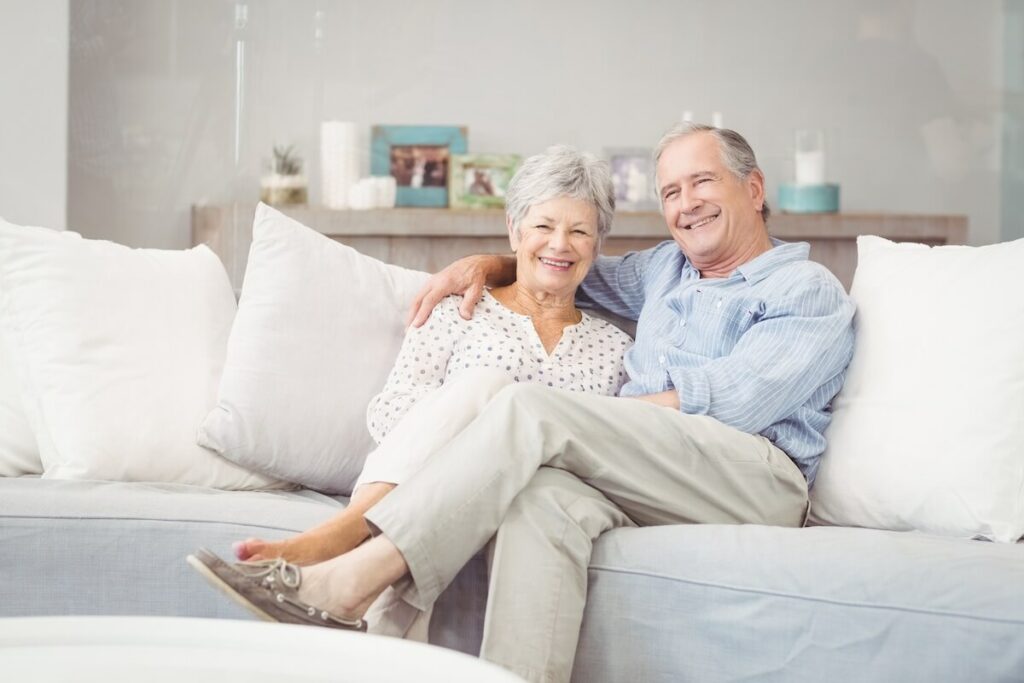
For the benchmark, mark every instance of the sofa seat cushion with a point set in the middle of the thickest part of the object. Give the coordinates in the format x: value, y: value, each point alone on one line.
x: 79, y: 499
x: 856, y: 604
x: 98, y: 547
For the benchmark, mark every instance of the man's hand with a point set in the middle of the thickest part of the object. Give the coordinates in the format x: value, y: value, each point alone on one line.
x: 467, y: 276
x: 669, y: 399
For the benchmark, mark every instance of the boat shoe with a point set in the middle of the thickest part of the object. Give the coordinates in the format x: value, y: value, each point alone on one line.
x: 267, y: 588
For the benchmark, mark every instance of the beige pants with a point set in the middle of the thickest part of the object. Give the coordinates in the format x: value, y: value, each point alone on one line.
x: 430, y: 424
x: 548, y: 471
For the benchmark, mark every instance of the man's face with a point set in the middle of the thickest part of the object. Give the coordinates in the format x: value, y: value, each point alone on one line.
x: 712, y: 215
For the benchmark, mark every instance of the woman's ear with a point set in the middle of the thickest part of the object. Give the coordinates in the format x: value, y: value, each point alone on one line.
x: 513, y: 234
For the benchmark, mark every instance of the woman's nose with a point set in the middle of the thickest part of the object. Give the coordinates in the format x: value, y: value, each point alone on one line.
x: 559, y: 240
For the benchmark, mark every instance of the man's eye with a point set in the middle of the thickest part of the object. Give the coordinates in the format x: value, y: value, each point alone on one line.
x: 671, y: 193
x: 703, y: 180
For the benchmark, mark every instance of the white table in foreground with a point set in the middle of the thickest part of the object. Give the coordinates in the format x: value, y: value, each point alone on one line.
x: 156, y: 649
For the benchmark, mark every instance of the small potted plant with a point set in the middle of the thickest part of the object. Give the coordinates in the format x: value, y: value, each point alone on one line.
x: 286, y: 184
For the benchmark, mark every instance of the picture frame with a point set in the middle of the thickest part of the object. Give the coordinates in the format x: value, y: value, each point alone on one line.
x: 480, y: 181
x: 633, y: 178
x: 418, y: 158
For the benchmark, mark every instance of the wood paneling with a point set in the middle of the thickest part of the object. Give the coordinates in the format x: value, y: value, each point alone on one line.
x: 429, y: 239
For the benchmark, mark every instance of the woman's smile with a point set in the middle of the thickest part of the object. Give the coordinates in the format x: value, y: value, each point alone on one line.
x: 556, y: 264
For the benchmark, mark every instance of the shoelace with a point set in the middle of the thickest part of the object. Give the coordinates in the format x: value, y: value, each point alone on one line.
x: 291, y: 577
x: 266, y: 570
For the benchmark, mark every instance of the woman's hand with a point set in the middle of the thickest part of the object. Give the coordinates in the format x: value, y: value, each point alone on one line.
x: 467, y: 276
x: 668, y: 399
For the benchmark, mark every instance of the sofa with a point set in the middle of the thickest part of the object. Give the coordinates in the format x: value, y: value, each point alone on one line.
x: 676, y: 603
x: 913, y: 600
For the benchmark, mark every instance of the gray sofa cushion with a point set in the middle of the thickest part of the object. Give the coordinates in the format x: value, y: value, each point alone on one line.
x: 725, y: 603
x: 90, y: 547
x: 675, y: 603
x: 94, y: 547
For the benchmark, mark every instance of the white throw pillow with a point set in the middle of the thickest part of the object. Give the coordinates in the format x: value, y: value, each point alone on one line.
x: 318, y: 328
x: 118, y: 353
x: 928, y: 432
x: 18, y: 451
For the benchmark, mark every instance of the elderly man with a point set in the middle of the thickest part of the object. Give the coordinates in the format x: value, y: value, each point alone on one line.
x: 741, y: 345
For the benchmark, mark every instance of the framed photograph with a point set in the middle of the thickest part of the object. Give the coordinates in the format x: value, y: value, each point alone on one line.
x: 479, y: 181
x: 418, y: 158
x: 633, y: 178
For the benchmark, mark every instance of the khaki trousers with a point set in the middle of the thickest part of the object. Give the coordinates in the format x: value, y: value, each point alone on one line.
x: 430, y: 424
x: 548, y: 471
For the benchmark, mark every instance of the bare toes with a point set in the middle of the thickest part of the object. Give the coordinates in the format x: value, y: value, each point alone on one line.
x: 249, y: 548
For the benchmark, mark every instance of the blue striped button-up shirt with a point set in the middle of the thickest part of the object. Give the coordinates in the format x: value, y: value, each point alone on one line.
x: 764, y: 350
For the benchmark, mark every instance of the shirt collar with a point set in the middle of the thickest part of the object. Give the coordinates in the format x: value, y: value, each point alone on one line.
x: 757, y: 269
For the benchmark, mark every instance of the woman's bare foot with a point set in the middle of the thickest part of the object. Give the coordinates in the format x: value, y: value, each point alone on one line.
x: 310, y: 547
x: 338, y: 535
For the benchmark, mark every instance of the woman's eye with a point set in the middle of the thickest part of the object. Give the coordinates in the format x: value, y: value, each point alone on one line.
x: 545, y: 228
x: 580, y: 232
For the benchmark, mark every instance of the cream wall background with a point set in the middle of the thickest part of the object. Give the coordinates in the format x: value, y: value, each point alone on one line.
x: 910, y: 94
x: 34, y: 111
x: 1013, y: 122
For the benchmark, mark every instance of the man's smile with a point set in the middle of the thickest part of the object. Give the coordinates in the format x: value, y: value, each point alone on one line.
x: 700, y: 222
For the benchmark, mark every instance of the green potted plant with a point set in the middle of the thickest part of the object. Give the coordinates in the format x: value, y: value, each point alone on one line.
x: 286, y: 184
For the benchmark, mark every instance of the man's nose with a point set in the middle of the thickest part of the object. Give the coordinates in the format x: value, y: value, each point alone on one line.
x: 688, y: 202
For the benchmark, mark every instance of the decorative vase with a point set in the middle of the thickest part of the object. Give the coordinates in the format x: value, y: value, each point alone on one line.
x: 277, y: 189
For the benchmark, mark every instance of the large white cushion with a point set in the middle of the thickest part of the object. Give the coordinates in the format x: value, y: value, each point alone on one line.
x: 318, y: 327
x: 18, y: 452
x: 118, y: 353
x: 928, y: 432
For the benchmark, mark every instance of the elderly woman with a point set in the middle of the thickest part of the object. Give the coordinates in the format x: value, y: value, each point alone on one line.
x: 559, y: 207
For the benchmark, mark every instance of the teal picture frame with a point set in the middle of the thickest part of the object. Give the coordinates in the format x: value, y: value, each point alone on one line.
x: 418, y: 158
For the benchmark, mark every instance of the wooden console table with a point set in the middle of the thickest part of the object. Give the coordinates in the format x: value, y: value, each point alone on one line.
x: 429, y: 239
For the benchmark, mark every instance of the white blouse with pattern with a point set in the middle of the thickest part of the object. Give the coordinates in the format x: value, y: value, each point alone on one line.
x: 588, y: 357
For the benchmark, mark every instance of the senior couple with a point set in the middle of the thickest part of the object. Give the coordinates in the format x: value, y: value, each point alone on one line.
x: 506, y: 419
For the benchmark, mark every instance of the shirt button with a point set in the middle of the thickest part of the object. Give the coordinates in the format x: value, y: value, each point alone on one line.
x: 682, y: 323
x: 661, y: 359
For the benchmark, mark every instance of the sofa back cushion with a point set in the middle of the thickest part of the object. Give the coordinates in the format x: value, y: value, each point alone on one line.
x: 117, y: 353
x: 928, y: 431
x: 318, y: 328
x: 18, y: 452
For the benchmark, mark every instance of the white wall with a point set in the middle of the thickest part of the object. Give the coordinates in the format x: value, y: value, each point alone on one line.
x: 1013, y: 123
x: 909, y: 93
x: 34, y: 111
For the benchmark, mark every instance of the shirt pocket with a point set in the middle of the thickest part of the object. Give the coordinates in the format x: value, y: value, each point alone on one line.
x: 718, y: 322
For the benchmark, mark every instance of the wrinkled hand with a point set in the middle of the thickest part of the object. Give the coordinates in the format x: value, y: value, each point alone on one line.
x: 467, y: 276
x: 668, y: 399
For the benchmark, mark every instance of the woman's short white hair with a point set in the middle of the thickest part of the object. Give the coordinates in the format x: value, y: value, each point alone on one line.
x: 562, y: 171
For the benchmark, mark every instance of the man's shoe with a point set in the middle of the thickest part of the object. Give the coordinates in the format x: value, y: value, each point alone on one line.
x: 268, y: 589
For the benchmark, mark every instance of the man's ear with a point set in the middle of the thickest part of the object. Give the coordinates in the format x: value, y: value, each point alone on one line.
x: 755, y: 184
x: 513, y: 237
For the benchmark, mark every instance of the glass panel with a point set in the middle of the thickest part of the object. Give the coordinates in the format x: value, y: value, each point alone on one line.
x: 181, y: 102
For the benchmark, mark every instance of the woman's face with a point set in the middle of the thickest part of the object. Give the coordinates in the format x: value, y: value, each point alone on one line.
x: 556, y: 245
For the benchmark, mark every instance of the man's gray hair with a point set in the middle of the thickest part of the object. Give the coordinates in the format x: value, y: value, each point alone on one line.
x: 561, y: 171
x: 737, y: 155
